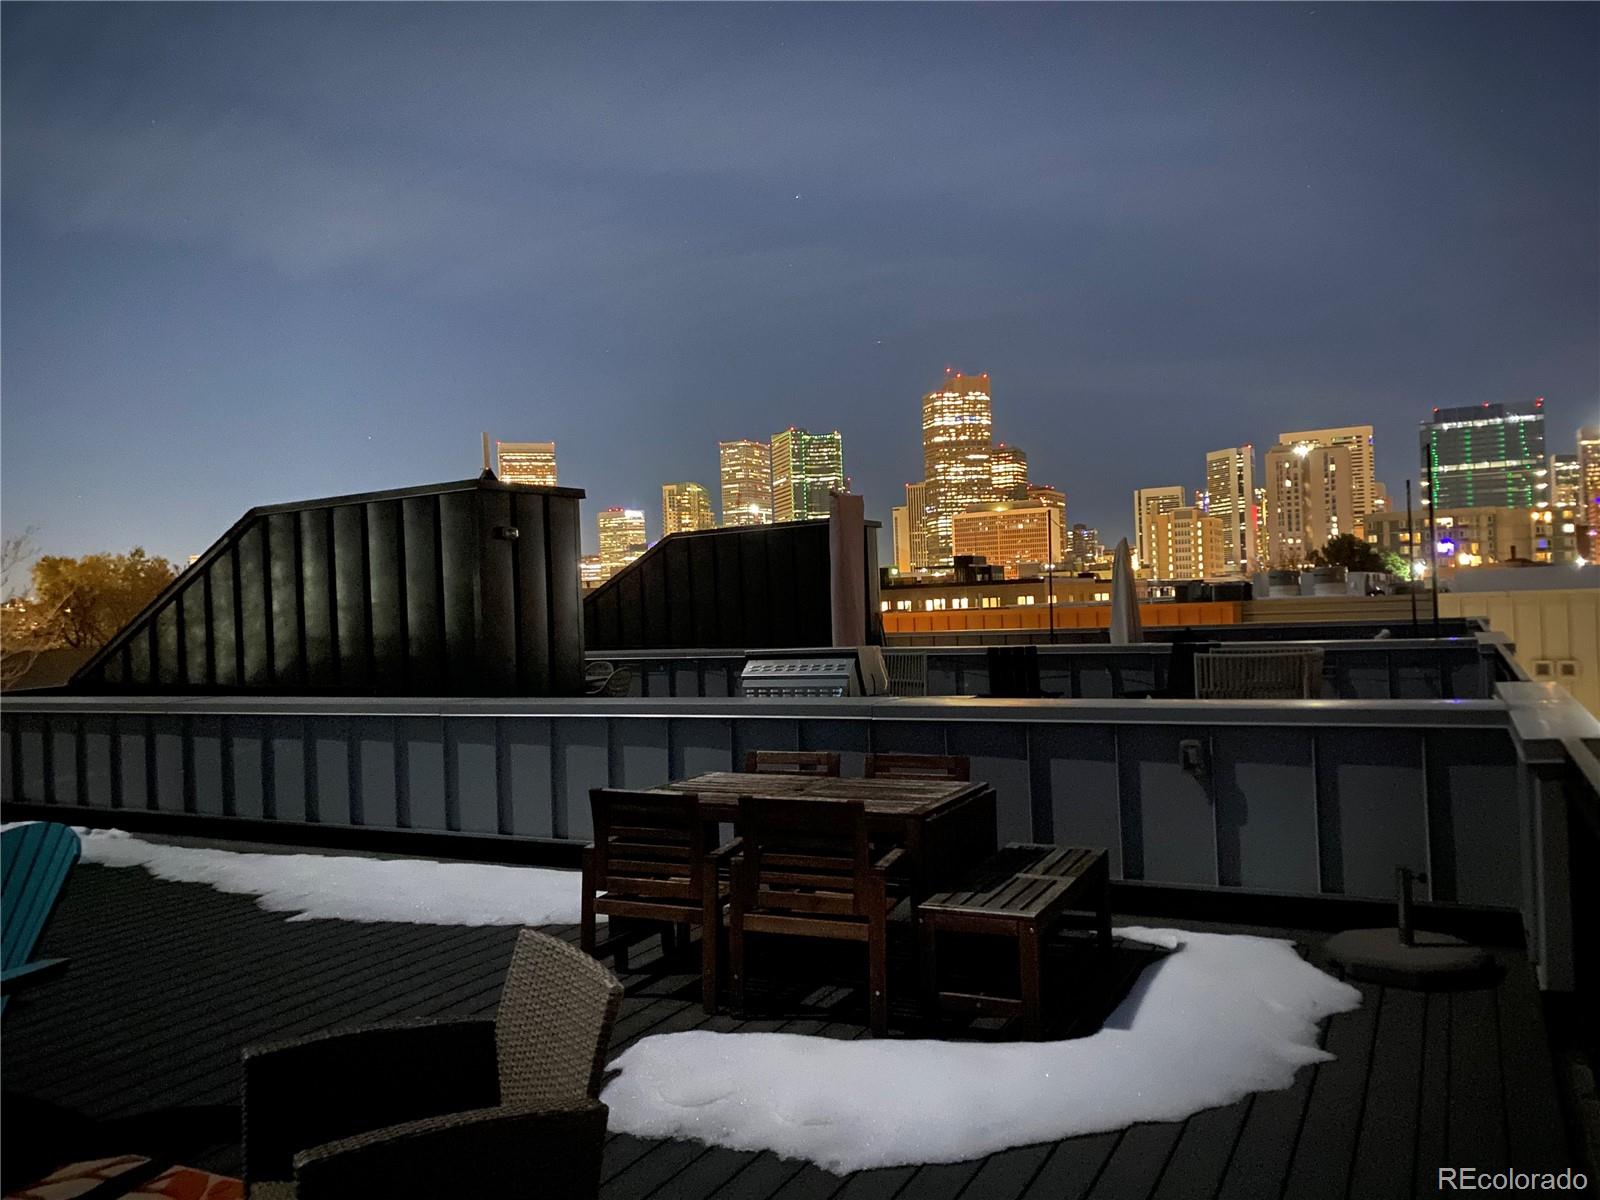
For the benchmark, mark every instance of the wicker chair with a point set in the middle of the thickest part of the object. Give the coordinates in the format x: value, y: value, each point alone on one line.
x: 441, y: 1108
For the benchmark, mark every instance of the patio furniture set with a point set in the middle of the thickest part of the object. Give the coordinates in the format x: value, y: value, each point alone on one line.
x: 816, y: 855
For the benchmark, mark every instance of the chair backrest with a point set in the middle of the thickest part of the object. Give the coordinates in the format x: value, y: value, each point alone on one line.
x: 1259, y: 673
x: 554, y: 1024
x: 648, y: 843
x: 919, y: 766
x: 1013, y: 671
x: 35, y: 860
x: 957, y: 836
x: 809, y: 856
x: 791, y: 762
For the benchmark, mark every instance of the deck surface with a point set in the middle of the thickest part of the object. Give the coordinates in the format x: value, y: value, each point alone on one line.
x: 168, y: 981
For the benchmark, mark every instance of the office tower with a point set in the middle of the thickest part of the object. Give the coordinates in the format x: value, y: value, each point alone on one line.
x: 806, y: 467
x: 591, y: 571
x: 526, y: 462
x: 746, y: 477
x: 900, y: 525
x: 1049, y: 495
x: 918, y: 523
x: 1008, y: 472
x: 1187, y: 544
x: 1011, y: 532
x: 1566, y: 481
x: 622, y: 538
x: 1083, y: 547
x: 1230, y: 497
x: 1310, y: 499
x: 1491, y: 456
x: 1358, y: 440
x: 1589, y: 475
x: 1149, y: 503
x: 685, y: 507
x: 956, y: 428
x: 1482, y: 536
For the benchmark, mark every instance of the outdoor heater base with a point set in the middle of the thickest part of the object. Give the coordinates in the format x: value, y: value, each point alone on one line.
x: 1434, y: 961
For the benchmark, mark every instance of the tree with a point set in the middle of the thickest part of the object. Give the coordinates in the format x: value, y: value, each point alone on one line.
x: 1351, y: 553
x: 81, y: 602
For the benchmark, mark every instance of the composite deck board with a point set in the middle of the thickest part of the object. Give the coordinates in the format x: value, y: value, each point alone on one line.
x: 169, y: 981
x: 1325, y: 1147
x: 1386, y: 1143
x: 1477, y: 1132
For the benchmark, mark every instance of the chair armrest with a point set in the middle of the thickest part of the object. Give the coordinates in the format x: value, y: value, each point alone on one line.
x: 553, y: 1153
x: 889, y: 861
x: 727, y: 850
x: 311, y: 1090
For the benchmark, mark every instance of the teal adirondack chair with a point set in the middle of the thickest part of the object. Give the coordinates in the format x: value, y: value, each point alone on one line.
x: 34, y: 863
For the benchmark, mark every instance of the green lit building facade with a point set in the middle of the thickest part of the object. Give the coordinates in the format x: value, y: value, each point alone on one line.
x: 1491, y: 456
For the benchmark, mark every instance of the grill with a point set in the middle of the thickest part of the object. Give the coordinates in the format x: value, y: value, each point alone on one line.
x: 831, y: 672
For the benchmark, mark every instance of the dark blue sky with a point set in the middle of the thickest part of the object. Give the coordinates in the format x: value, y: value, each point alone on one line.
x: 265, y: 253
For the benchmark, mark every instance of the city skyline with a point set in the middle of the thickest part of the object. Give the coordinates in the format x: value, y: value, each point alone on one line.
x: 1211, y: 248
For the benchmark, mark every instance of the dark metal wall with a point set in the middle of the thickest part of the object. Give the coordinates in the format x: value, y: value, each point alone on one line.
x: 746, y: 587
x: 418, y: 592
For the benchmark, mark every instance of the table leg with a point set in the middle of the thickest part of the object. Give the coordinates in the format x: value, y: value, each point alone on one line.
x: 1029, y: 966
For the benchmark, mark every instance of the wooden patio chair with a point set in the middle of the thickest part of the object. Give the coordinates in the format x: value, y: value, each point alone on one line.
x: 654, y: 858
x: 955, y: 767
x: 805, y: 869
x: 37, y: 858
x: 791, y: 762
x: 498, y: 1107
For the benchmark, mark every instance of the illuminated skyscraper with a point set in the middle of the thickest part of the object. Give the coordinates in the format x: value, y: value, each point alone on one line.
x: 1012, y: 532
x: 918, y: 523
x: 806, y: 467
x: 526, y: 462
x: 1589, y: 475
x: 1185, y: 543
x: 1358, y: 440
x: 622, y: 538
x: 957, y: 424
x: 1148, y: 504
x: 1310, y: 500
x: 1566, y: 481
x: 746, y: 483
x: 1491, y: 456
x: 1008, y: 472
x: 685, y: 507
x: 900, y: 524
x: 1230, y: 497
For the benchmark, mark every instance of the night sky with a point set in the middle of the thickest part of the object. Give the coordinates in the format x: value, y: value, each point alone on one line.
x: 265, y: 253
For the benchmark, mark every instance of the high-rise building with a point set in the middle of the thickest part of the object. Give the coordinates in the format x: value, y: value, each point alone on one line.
x: 622, y: 538
x: 1310, y: 500
x: 1589, y: 475
x: 1009, y: 533
x: 1492, y: 456
x: 1363, y: 483
x: 1231, y: 498
x: 746, y: 470
x: 685, y: 507
x: 526, y: 462
x: 1566, y: 481
x: 1008, y: 472
x: 957, y: 425
x: 1481, y: 536
x: 1084, y: 550
x: 806, y: 467
x: 900, y: 525
x: 1148, y: 504
x: 1187, y: 544
x: 918, y: 524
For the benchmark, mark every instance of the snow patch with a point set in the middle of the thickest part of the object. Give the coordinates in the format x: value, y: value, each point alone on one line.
x: 325, y: 887
x: 1223, y: 1016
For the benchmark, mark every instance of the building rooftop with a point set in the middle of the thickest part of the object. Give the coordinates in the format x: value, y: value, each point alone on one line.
x: 168, y: 982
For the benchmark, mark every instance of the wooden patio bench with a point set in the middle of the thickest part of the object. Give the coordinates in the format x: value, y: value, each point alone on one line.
x: 1021, y: 893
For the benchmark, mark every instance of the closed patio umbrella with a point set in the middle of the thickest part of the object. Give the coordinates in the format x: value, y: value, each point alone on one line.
x: 1125, y: 628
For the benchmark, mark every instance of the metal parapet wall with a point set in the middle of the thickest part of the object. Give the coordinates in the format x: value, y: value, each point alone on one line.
x: 466, y: 588
x: 744, y: 587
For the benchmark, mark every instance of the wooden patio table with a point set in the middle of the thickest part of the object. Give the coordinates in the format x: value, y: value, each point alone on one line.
x: 945, y: 825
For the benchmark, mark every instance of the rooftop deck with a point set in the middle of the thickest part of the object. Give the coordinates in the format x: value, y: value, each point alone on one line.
x: 169, y: 981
